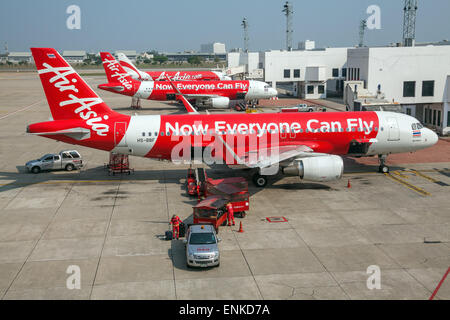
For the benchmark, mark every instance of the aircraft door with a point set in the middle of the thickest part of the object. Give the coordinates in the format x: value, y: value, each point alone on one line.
x: 120, y: 138
x: 394, y: 132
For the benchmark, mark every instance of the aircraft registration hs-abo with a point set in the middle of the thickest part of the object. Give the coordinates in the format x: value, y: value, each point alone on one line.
x: 309, y: 145
x: 177, y: 75
x: 216, y: 94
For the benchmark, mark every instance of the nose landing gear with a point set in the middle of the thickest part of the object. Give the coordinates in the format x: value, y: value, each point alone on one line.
x: 383, y: 168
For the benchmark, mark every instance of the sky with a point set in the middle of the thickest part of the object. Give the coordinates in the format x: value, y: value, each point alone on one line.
x: 178, y: 25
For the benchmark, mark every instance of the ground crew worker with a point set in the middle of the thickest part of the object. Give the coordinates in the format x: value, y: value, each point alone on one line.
x: 175, y: 222
x: 230, y: 216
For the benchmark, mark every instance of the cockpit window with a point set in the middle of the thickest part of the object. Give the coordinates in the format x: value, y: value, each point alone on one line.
x: 416, y: 126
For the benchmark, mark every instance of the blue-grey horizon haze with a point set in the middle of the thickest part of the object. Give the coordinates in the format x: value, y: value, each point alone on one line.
x: 177, y: 25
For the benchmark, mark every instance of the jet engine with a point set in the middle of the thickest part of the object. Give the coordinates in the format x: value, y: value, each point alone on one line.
x: 219, y: 102
x: 318, y: 169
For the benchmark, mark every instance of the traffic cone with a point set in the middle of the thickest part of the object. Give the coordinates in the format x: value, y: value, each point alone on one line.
x: 240, y: 228
x: 348, y: 184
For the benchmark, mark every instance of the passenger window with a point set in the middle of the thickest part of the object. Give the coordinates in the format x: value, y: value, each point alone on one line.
x: 143, y: 134
x: 149, y: 134
x: 56, y: 158
x: 49, y: 158
x: 66, y: 156
x: 74, y: 154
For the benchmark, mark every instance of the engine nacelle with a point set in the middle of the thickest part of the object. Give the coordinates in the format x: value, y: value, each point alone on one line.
x: 219, y: 102
x: 318, y: 169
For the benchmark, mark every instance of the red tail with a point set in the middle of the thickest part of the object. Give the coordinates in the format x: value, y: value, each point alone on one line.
x: 115, y: 73
x: 79, y: 115
x: 68, y: 96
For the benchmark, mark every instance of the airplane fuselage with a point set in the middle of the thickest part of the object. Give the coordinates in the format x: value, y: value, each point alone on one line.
x: 162, y: 90
x: 338, y: 133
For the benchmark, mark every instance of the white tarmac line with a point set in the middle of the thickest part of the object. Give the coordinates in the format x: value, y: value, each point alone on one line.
x: 23, y: 109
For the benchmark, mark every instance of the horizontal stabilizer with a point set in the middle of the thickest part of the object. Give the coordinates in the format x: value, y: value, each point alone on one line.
x: 74, y: 133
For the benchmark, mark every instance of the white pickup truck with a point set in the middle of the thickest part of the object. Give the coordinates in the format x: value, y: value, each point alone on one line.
x: 303, y: 107
x: 66, y: 160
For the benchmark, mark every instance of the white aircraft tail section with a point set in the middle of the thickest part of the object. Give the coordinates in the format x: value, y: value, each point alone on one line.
x: 131, y: 69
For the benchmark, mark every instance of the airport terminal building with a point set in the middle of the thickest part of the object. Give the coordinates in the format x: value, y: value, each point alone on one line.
x: 414, y: 79
x: 417, y: 78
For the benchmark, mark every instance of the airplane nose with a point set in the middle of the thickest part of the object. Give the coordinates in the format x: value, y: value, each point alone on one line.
x: 273, y: 92
x: 431, y: 138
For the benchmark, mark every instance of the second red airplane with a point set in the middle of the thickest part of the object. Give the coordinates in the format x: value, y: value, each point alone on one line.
x: 215, y: 94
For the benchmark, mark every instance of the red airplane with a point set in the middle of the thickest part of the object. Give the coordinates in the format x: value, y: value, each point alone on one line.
x: 137, y: 74
x: 309, y: 145
x: 216, y: 94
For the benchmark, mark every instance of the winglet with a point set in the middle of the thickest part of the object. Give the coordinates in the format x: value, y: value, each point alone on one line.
x: 186, y: 103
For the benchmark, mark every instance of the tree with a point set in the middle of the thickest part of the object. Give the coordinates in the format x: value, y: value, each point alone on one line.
x: 160, y: 58
x: 195, y: 60
x: 97, y: 60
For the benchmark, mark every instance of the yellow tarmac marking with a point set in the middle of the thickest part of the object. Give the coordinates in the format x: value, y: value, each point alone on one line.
x: 401, y: 175
x: 408, y: 185
x: 425, y: 176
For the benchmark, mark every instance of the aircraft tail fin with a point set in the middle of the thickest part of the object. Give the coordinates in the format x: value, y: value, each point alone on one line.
x: 115, y: 73
x: 131, y: 69
x: 68, y: 95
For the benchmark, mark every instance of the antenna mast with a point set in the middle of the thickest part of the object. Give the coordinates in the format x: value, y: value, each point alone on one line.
x: 288, y: 12
x: 409, y: 23
x: 244, y: 24
x: 362, y: 29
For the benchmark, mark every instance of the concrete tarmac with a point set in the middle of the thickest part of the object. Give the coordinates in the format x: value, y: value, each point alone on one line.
x: 111, y: 227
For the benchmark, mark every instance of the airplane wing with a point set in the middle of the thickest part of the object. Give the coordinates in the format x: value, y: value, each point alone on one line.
x: 186, y: 103
x: 201, y: 96
x: 267, y: 157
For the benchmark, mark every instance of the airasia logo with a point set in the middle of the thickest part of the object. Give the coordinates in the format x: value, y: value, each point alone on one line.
x: 112, y: 65
x: 179, y: 77
x: 84, y: 105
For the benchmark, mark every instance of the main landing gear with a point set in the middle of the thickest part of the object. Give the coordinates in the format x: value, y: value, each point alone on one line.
x: 259, y: 180
x: 383, y: 168
x: 136, y: 103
